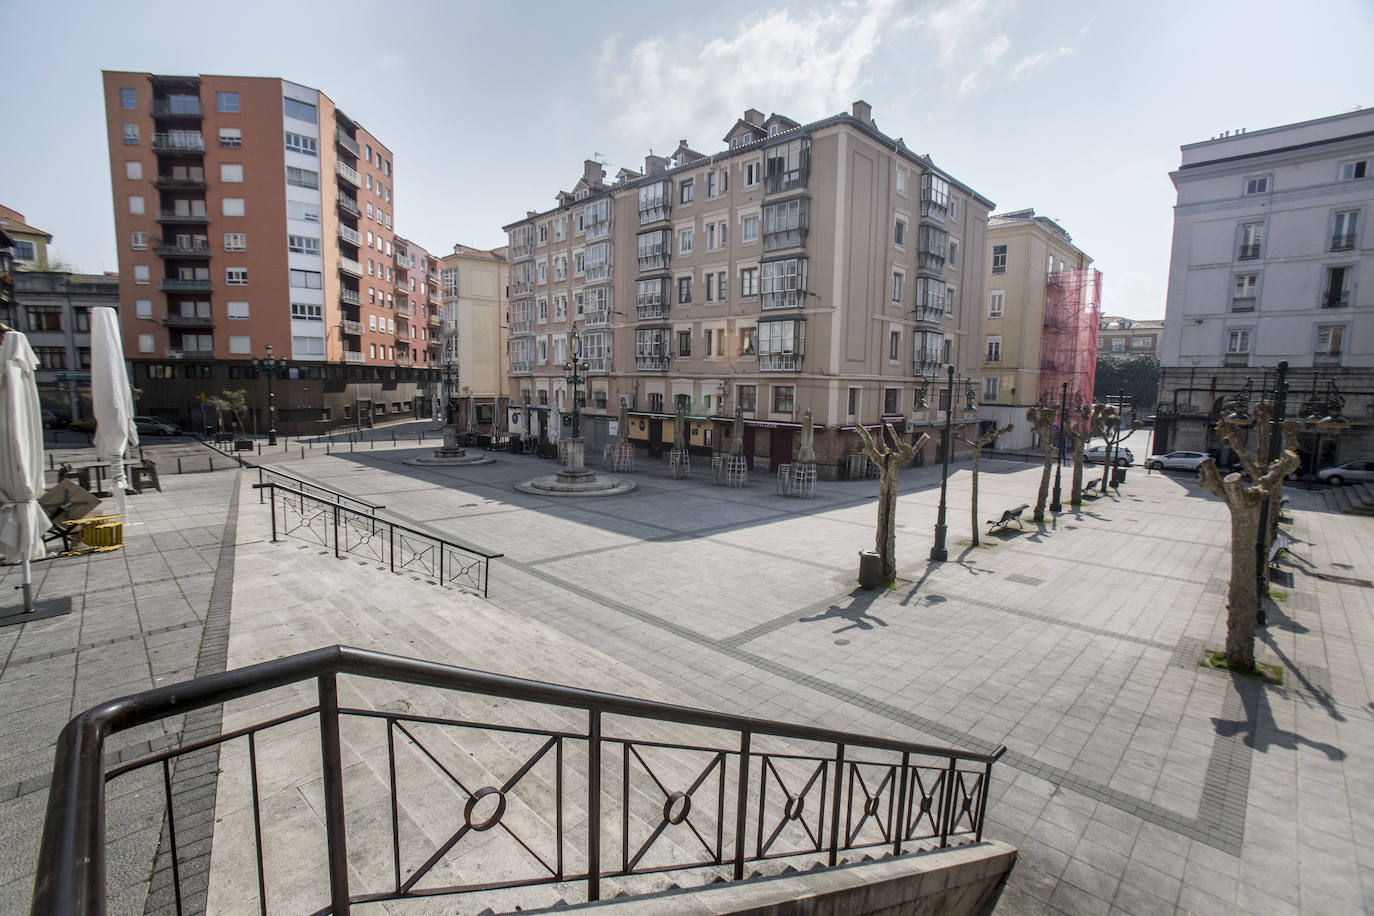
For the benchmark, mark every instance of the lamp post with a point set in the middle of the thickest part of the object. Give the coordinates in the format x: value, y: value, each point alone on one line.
x: 573, y: 372
x: 938, y: 552
x: 1055, y: 504
x: 270, y: 365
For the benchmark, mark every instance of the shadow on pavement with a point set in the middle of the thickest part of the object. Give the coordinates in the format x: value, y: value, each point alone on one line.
x: 856, y: 612
x: 1259, y: 731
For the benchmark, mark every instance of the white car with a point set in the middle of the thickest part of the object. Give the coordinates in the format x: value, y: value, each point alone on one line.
x: 1349, y: 472
x: 1177, y: 461
x: 1098, y: 455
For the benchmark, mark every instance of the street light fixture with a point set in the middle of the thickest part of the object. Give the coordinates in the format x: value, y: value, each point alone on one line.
x: 271, y: 365
x: 574, y: 371
x: 1055, y: 504
x: 938, y: 552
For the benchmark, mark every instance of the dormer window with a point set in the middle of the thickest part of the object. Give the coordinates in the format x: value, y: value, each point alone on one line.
x: 734, y: 143
x: 773, y: 131
x: 748, y: 137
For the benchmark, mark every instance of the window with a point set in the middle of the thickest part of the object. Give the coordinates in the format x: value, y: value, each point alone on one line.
x: 784, y: 283
x: 890, y: 401
x: 1329, y: 340
x: 1336, y: 291
x: 894, y: 344
x: 302, y: 178
x: 653, y: 202
x: 1257, y: 185
x: 684, y: 343
x: 783, y: 398
x: 145, y: 343
x: 853, y: 401
x: 684, y: 290
x: 1251, y: 237
x: 896, y: 286
x: 231, y: 172
x: 685, y: 241
x: 1343, y: 236
x: 931, y: 244
x: 747, y: 397
x: 239, y: 310
x: 542, y: 311
x: 954, y: 254
x: 1244, y: 292
x: 136, y: 204
x: 232, y: 206
x: 1049, y: 264
x: 296, y: 143
x: 934, y: 196
x: 240, y: 344
x: 993, y: 350
x: 304, y: 311
x: 748, y: 341
x: 1350, y: 171
x: 303, y: 244
x: 372, y: 323
x: 708, y: 335
x: 901, y: 183
x: 751, y: 174
x: 710, y: 236
x: 301, y: 111
x: 750, y: 232
x: 231, y: 136
x: 687, y: 190
x: 133, y: 171
x: 1118, y: 345
x: 236, y: 276
x: 227, y: 101
x: 653, y: 249
x: 781, y: 345
x: 45, y: 317
x: 999, y: 259
x: 899, y: 232
x: 140, y: 274
x: 128, y: 99
x: 749, y: 282
x: 990, y: 386
x: 131, y: 134
x: 1238, y: 341
x: 721, y: 285
x: 785, y: 224
x: 996, y: 303
x: 710, y: 289
x: 143, y: 308
x: 788, y: 165
x: 306, y: 279
x: 235, y: 241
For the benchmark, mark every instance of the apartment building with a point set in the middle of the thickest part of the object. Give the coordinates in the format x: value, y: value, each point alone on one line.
x: 1127, y: 337
x: 1269, y: 250
x: 30, y: 244
x: 1039, y: 322
x: 474, y: 355
x: 822, y: 267
x: 253, y: 212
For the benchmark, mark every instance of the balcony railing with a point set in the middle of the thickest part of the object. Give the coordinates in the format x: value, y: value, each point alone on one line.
x: 522, y: 287
x: 178, y: 353
x: 1243, y: 304
x: 351, y: 266
x: 349, y: 205
x: 598, y: 317
x: 434, y: 320
x: 1236, y: 359
x: 599, y: 274
x: 404, y: 362
x: 651, y: 363
x: 654, y: 260
x: 933, y: 314
x: 779, y: 362
x: 598, y: 231
x: 348, y: 173
x: 352, y: 327
x: 434, y: 296
x: 182, y: 251
x: 599, y: 364
x: 930, y: 260
x: 187, y: 321
x: 178, y: 143
x: 1326, y: 359
x: 172, y: 216
x: 349, y: 234
x: 169, y: 183
x: 403, y: 262
x: 520, y: 252
x: 181, y: 108
x: 353, y: 356
x: 521, y: 366
x: 351, y: 296
x: 927, y: 362
x: 1343, y: 242
x: 347, y: 142
x: 1336, y: 300
x: 656, y: 312
x: 175, y: 285
x: 522, y: 326
x: 1248, y: 252
x: 992, y: 359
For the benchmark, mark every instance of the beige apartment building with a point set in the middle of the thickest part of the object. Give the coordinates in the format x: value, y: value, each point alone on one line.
x: 1039, y: 321
x: 253, y: 212
x: 475, y: 363
x: 822, y: 267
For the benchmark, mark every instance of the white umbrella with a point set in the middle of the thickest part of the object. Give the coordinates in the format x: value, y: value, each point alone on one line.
x: 22, y: 520
x: 111, y: 400
x: 555, y: 424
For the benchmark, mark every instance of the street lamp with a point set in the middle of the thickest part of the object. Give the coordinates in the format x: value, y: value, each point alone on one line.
x: 270, y: 365
x: 574, y: 372
x: 938, y: 552
x: 1055, y: 504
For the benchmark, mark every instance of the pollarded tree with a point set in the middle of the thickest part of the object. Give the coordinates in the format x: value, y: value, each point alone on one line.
x: 1242, y: 597
x: 890, y: 462
x: 978, y: 445
x: 1090, y: 422
x: 1042, y: 420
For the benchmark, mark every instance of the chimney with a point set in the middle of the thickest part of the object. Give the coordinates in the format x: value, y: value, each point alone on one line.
x: 862, y: 111
x: 592, y: 173
x: 753, y: 116
x: 530, y: 213
x: 655, y: 165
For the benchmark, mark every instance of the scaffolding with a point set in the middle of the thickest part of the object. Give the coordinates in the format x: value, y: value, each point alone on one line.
x: 1068, y: 349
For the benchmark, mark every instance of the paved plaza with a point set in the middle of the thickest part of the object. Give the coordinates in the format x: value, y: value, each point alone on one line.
x: 1135, y: 781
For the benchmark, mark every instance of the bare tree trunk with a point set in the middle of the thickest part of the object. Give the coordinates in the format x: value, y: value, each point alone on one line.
x: 1242, y: 597
x: 977, y: 457
x: 886, y: 541
x: 1051, y: 453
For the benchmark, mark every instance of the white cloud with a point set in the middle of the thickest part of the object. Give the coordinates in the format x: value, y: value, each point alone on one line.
x: 987, y: 58
x: 1032, y: 62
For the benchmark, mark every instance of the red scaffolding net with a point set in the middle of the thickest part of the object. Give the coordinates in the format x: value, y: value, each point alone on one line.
x: 1068, y: 349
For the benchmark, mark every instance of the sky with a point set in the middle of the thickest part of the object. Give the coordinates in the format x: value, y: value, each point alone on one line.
x: 1076, y: 109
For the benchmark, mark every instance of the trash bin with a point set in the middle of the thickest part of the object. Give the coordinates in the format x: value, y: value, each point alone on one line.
x: 1118, y: 476
x: 870, y: 569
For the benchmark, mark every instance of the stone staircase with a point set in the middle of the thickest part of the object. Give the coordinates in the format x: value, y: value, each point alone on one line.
x: 1352, y: 499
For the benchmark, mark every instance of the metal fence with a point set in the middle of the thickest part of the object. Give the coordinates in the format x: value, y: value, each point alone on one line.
x: 359, y: 532
x: 743, y: 794
x: 319, y: 491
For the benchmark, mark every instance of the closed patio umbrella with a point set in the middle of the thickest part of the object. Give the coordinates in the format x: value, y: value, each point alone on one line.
x: 22, y: 520
x: 111, y: 400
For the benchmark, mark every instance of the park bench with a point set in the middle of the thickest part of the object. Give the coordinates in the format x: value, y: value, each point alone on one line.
x: 1281, y: 542
x: 1009, y: 516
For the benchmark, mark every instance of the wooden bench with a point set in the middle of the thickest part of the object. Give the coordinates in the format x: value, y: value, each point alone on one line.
x: 1009, y: 516
x: 1281, y: 542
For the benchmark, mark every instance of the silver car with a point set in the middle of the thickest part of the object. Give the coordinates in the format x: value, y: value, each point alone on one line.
x: 1177, y: 461
x: 1098, y: 455
x: 1349, y: 472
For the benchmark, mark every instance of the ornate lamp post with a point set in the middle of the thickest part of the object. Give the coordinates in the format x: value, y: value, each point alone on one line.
x: 271, y: 365
x: 1055, y: 504
x: 938, y: 552
x: 574, y: 370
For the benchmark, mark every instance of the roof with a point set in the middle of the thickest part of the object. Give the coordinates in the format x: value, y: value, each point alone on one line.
x: 480, y: 254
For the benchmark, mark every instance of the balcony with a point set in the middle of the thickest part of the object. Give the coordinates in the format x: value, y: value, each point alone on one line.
x: 351, y: 296
x: 403, y: 262
x: 434, y: 320
x: 651, y: 363
x: 1336, y: 300
x: 181, y: 108
x: 1243, y: 304
x: 172, y: 216
x: 175, y: 285
x: 779, y: 362
x: 930, y: 260
x: 599, y: 364
x: 653, y: 312
x: 350, y: 266
x: 522, y: 287
x: 1248, y: 253
x: 346, y: 142
x: 930, y: 314
x: 1326, y: 360
x: 176, y: 353
x: 349, y: 174
x: 352, y: 327
x: 187, y: 321
x: 1344, y: 242
x: 167, y: 182
x: 598, y: 231
x: 992, y: 359
x: 601, y: 273
x: 182, y: 251
x: 349, y: 235
x: 523, y: 326
x: 353, y: 356
x: 186, y: 143
x: 521, y: 252
x: 404, y: 362
x: 434, y: 296
x: 521, y: 366
x: 349, y: 205
x: 926, y: 363
x: 598, y: 317
x: 652, y: 259
x: 434, y: 343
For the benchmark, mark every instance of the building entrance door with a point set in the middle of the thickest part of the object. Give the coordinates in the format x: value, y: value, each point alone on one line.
x: 655, y: 437
x: 749, y: 433
x: 779, y: 448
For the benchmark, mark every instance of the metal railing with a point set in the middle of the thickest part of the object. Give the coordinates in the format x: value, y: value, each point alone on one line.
x: 1343, y: 241
x: 268, y: 475
x: 353, y: 356
x: 1248, y: 253
x: 349, y: 205
x: 348, y: 173
x: 742, y: 790
x: 349, y: 234
x: 350, y: 326
x: 177, y: 284
x: 350, y: 265
x: 185, y: 142
x: 346, y: 529
x: 347, y: 142
x: 350, y: 295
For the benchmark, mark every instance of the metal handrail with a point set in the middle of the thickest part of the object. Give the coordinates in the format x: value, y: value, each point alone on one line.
x: 72, y: 868
x: 338, y: 496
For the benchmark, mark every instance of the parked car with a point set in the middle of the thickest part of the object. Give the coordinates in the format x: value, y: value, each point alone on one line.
x: 1098, y: 455
x: 1349, y: 472
x: 84, y: 425
x: 54, y: 420
x: 155, y: 427
x: 1177, y: 461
